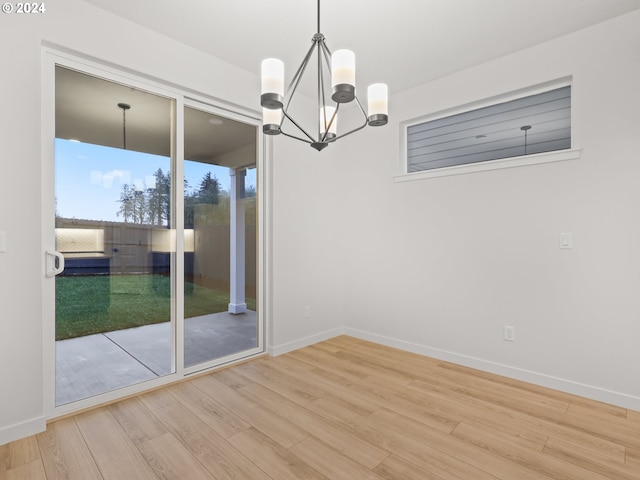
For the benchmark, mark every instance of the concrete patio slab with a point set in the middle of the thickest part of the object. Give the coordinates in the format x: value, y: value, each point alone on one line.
x: 95, y: 364
x: 88, y: 366
x: 150, y: 345
x: 214, y: 336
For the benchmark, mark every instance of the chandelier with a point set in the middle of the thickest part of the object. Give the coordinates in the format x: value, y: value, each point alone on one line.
x: 341, y: 66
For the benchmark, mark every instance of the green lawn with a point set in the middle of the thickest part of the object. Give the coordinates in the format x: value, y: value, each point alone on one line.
x: 102, y: 303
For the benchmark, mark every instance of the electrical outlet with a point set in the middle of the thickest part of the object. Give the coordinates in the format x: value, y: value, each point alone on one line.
x: 509, y: 333
x: 307, y: 312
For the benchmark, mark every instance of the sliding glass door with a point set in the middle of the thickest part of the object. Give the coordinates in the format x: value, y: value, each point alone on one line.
x: 220, y: 225
x: 155, y: 263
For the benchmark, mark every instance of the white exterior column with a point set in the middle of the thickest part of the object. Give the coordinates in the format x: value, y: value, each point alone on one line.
x: 237, y: 302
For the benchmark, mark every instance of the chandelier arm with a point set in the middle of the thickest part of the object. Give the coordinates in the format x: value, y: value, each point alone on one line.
x: 350, y: 132
x: 295, y: 81
x: 296, y: 138
x: 364, y: 114
x: 311, y: 139
x: 322, y: 51
x: 321, y: 99
x: 327, y: 54
x: 357, y: 128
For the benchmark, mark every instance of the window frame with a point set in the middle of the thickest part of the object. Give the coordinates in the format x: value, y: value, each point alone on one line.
x: 532, y: 159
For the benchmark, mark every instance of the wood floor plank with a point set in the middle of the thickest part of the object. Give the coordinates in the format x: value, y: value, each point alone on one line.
x: 475, y: 410
x: 394, y: 467
x: 289, y: 363
x: 633, y: 418
x: 327, y: 347
x: 467, y: 408
x: 261, y: 371
x: 526, y: 459
x: 604, y: 410
x: 323, y: 387
x: 607, y: 456
x: 231, y: 378
x: 280, y: 430
x: 606, y: 465
x: 216, y: 454
x: 276, y: 461
x: 395, y: 397
x: 417, y: 366
x: 512, y: 397
x: 315, y: 453
x: 65, y: 454
x: 33, y: 470
x: 401, y: 442
x: 612, y: 428
x: 219, y: 417
x: 157, y: 399
x: 481, y: 458
x: 472, y: 373
x: 632, y: 458
x: 177, y: 465
x: 331, y: 433
x: 113, y: 451
x: 18, y: 453
x: 386, y: 372
x: 375, y: 390
x: 597, y: 411
x: 137, y: 420
x: 323, y: 359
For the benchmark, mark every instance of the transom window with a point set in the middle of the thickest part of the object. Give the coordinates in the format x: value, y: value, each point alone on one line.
x: 528, y: 125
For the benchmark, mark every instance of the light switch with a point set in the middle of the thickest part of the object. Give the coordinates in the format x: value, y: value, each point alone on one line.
x: 566, y: 240
x: 3, y: 242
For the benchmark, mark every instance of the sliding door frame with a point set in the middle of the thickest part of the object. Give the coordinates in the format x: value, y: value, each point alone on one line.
x: 51, y: 57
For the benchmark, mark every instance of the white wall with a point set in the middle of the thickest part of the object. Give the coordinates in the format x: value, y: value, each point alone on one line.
x: 310, y: 232
x: 94, y: 33
x: 438, y: 266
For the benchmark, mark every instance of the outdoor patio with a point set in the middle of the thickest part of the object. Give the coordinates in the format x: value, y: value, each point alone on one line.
x: 95, y: 364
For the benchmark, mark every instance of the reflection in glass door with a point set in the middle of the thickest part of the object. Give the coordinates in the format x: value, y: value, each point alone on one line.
x: 220, y: 261
x: 114, y: 299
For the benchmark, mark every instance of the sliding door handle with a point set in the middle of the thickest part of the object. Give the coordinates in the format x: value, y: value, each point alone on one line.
x: 54, y: 263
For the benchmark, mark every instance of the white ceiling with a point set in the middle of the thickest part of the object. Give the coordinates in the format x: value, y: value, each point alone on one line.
x: 403, y: 43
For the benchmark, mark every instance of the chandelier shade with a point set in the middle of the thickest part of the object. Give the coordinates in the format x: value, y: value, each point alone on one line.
x: 341, y: 66
x: 272, y: 83
x: 343, y: 76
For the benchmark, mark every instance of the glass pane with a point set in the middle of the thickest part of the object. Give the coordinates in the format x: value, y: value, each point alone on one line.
x: 220, y: 260
x: 113, y: 299
x: 529, y: 125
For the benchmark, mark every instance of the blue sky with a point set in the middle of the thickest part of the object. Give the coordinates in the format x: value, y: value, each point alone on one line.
x: 89, y: 178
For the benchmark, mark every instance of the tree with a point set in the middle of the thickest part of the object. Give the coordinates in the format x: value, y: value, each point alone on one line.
x: 153, y: 205
x: 159, y: 199
x: 250, y: 191
x: 126, y: 203
x: 209, y: 191
x: 133, y: 205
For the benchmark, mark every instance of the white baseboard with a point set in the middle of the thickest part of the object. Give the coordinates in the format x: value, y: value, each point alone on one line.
x: 22, y: 429
x: 588, y: 391
x: 275, y: 350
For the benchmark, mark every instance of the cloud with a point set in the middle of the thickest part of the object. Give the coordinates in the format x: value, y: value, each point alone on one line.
x: 105, y: 179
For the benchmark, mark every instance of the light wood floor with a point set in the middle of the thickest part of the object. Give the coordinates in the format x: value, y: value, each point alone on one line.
x: 341, y: 409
